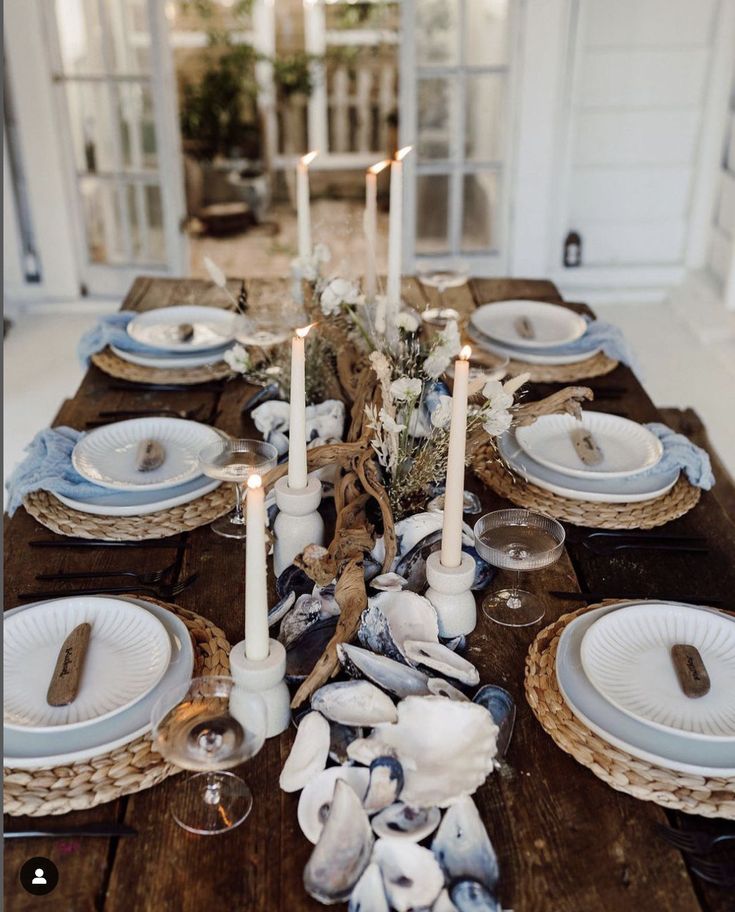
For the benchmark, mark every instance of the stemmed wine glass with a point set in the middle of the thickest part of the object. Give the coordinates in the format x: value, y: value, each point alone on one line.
x: 440, y: 278
x: 517, y: 540
x: 271, y: 318
x: 209, y: 725
x: 235, y: 460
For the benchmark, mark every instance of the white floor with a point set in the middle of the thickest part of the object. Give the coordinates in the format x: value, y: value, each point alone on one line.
x: 686, y: 346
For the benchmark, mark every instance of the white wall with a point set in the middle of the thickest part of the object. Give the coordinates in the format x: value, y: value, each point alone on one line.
x: 721, y: 259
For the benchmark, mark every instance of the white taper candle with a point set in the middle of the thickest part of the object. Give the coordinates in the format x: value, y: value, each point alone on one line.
x: 395, y: 240
x: 303, y: 204
x: 371, y: 228
x: 256, y: 586
x: 451, y: 553
x: 297, y: 412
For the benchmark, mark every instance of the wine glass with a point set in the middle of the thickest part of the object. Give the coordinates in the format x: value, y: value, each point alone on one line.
x: 440, y: 278
x: 235, y: 460
x: 209, y: 724
x: 517, y: 540
x: 271, y: 318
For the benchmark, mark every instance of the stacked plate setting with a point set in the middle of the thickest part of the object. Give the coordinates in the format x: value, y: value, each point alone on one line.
x: 107, y: 458
x: 211, y: 333
x: 616, y: 675
x: 545, y: 455
x: 532, y: 332
x: 137, y: 650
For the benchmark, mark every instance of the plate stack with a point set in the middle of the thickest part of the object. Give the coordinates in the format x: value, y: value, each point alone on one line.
x: 180, y: 337
x: 550, y: 454
x: 616, y: 673
x: 531, y: 332
x: 137, y: 650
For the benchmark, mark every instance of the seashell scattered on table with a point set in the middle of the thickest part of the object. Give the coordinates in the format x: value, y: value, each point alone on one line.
x: 354, y: 703
x: 308, y: 754
x: 471, y: 896
x: 502, y: 708
x: 341, y: 738
x: 315, y: 800
x: 440, y: 659
x: 441, y: 688
x: 343, y: 850
x: 388, y: 582
x: 463, y: 848
x: 386, y: 784
x: 305, y: 613
x: 294, y: 579
x: 401, y: 821
x: 411, y: 874
x: 304, y: 653
x: 365, y: 750
x: 393, y: 617
x: 395, y: 677
x: 369, y: 893
x: 444, y: 903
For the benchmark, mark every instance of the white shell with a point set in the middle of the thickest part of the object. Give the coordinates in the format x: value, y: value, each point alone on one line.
x: 463, y: 847
x: 409, y: 617
x: 441, y: 688
x: 354, y: 703
x: 365, y: 750
x: 388, y: 582
x: 386, y: 782
x: 439, y: 658
x: 308, y: 754
x: 369, y: 893
x: 343, y: 851
x: 401, y: 680
x: 400, y: 821
x: 316, y: 798
x: 411, y: 875
x: 446, y: 747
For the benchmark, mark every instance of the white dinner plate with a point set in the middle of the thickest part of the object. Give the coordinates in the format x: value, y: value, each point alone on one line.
x: 141, y: 503
x: 31, y: 750
x: 213, y: 327
x: 631, y: 489
x: 551, y: 356
x: 172, y: 362
x: 127, y: 656
x: 627, y: 657
x: 106, y: 456
x: 551, y: 324
x: 627, y: 447
x: 667, y: 749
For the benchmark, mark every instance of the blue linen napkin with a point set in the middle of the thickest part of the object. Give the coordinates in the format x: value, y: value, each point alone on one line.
x: 681, y: 453
x: 47, y: 467
x: 606, y: 336
x: 112, y: 329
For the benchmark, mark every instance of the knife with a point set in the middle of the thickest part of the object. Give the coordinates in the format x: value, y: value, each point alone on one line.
x: 64, y: 685
x: 85, y: 829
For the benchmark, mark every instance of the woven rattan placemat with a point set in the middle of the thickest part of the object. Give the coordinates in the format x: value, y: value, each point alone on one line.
x: 128, y: 769
x: 644, y: 515
x: 595, y: 366
x: 111, y: 364
x: 55, y: 515
x: 693, y: 794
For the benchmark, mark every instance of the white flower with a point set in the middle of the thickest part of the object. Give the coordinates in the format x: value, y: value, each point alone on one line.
x: 336, y: 293
x: 238, y: 359
x: 442, y: 414
x: 445, y: 348
x: 451, y: 341
x: 407, y: 322
x: 495, y: 414
x: 497, y: 422
x: 389, y: 423
x: 497, y: 396
x: 437, y: 361
x: 406, y: 388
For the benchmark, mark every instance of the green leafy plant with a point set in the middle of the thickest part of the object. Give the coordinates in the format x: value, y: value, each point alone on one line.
x: 293, y: 73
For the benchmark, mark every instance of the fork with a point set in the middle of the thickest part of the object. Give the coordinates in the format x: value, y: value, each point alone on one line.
x: 150, y: 578
x: 135, y: 413
x: 164, y: 592
x: 720, y: 873
x: 695, y: 841
x: 609, y: 546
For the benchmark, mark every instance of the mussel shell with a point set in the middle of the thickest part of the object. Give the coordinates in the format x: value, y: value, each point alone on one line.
x: 355, y: 702
x: 341, y: 736
x: 395, y: 677
x: 281, y: 608
x: 400, y: 821
x: 369, y: 893
x: 386, y: 784
x: 501, y: 706
x: 462, y: 845
x: 306, y: 612
x: 471, y: 896
x: 305, y: 652
x: 294, y: 579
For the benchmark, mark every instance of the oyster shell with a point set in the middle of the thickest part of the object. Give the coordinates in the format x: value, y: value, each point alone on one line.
x: 393, y: 617
x: 388, y: 582
x: 365, y: 750
x: 502, y: 708
x: 343, y: 851
x: 386, y: 782
x: 304, y: 614
x: 463, y: 848
x: 441, y: 688
x: 316, y: 798
x: 401, y: 821
x: 446, y: 748
x: 308, y: 754
x: 369, y: 893
x: 444, y: 903
x: 281, y: 608
x: 411, y: 875
x: 354, y: 703
x: 470, y: 504
x: 401, y: 680
x: 471, y: 896
x: 437, y: 657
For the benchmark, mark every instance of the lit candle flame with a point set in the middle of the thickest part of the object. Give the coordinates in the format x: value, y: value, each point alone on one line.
x: 255, y: 481
x: 303, y: 331
x: 465, y: 353
x: 402, y: 153
x: 307, y: 159
x: 377, y: 168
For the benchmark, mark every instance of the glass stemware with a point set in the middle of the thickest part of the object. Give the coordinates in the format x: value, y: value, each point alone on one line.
x: 271, y: 318
x: 442, y: 279
x: 517, y: 540
x: 209, y: 725
x: 235, y: 460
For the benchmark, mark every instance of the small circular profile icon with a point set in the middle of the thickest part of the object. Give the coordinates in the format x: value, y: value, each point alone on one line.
x: 39, y: 875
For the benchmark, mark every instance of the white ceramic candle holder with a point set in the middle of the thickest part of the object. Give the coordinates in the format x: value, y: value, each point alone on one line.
x: 298, y: 523
x: 450, y: 593
x: 266, y: 678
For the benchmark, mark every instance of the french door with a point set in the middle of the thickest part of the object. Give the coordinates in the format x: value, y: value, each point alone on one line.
x: 116, y: 104
x: 456, y: 68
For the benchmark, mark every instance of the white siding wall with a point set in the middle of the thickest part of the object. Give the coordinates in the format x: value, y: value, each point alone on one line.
x: 722, y: 244
x: 638, y: 95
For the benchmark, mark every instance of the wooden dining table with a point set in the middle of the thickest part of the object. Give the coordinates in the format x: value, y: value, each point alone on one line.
x: 565, y: 840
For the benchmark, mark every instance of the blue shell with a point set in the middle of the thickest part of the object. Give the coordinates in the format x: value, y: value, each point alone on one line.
x: 502, y: 707
x: 471, y: 896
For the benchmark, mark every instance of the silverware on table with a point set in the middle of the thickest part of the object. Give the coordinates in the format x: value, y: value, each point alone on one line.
x: 610, y: 545
x: 162, y: 592
x: 103, y: 543
x: 149, y: 578
x: 189, y: 414
x: 719, y: 873
x: 695, y: 841
x: 602, y: 596
x: 84, y: 829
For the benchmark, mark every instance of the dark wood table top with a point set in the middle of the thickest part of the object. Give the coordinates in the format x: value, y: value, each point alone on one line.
x: 566, y: 841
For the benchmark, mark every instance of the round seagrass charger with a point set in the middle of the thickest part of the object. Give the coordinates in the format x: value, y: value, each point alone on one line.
x: 111, y: 364
x: 644, y: 515
x: 55, y: 515
x: 131, y: 768
x: 596, y: 366
x: 693, y: 794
